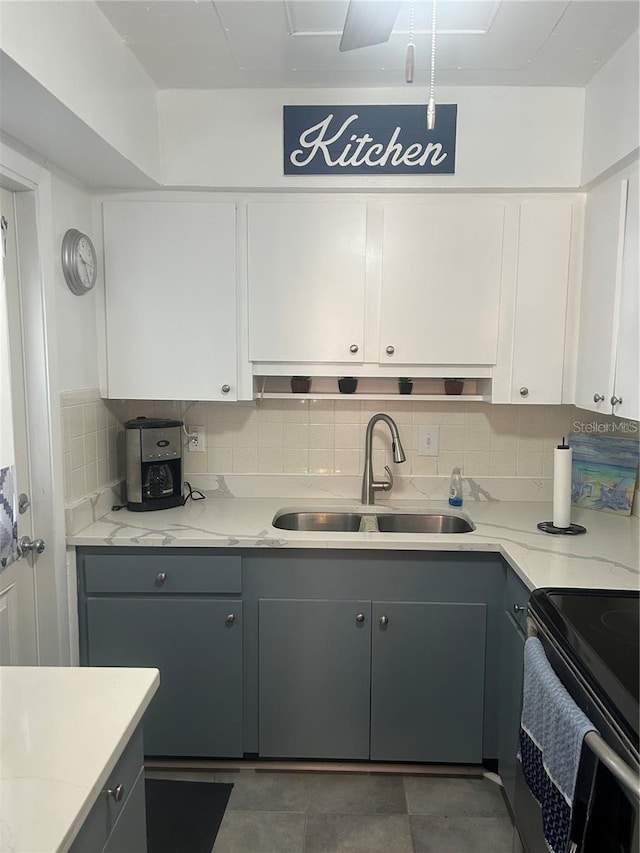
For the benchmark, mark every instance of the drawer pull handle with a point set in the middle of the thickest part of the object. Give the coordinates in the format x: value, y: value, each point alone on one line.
x: 116, y: 793
x: 231, y: 618
x: 161, y: 578
x: 518, y: 608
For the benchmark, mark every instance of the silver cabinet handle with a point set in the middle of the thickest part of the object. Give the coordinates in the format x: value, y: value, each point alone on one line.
x: 353, y: 348
x: 230, y: 618
x: 28, y: 545
x: 615, y: 400
x: 225, y: 389
x: 598, y: 398
x: 360, y: 617
x: 161, y: 578
x: 518, y: 608
x: 524, y: 391
x: 116, y: 793
x: 384, y: 620
x: 390, y: 350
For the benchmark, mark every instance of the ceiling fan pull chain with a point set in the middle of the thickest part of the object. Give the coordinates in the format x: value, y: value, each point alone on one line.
x: 410, y: 61
x: 431, y: 108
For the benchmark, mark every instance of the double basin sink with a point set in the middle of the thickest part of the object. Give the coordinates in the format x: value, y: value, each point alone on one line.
x: 361, y: 521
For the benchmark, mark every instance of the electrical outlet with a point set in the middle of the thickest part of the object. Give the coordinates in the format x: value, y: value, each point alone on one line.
x: 196, y: 439
x: 428, y: 440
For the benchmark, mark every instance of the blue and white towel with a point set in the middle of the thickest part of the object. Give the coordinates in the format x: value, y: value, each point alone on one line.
x: 552, y: 732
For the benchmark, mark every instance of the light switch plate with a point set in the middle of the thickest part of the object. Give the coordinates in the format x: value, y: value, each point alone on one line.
x: 428, y: 440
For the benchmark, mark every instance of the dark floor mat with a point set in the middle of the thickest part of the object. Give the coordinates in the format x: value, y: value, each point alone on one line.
x: 184, y: 817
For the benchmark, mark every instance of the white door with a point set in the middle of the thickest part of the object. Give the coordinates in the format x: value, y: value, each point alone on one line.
x: 18, y: 633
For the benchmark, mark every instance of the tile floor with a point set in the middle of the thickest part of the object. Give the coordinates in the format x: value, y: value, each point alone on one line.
x: 324, y: 812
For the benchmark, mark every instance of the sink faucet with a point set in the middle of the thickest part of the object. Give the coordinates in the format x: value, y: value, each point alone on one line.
x: 369, y: 484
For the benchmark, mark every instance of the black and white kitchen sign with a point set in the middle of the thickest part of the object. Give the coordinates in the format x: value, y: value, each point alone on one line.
x: 369, y: 140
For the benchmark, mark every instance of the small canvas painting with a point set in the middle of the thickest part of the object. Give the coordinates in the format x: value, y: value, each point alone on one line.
x: 604, y: 471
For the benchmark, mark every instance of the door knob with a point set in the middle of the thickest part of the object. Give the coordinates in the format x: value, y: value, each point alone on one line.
x: 27, y: 544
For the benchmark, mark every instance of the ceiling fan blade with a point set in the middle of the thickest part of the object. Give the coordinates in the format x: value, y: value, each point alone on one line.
x: 368, y: 22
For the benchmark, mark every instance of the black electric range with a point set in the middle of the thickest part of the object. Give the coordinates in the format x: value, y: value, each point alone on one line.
x: 599, y: 630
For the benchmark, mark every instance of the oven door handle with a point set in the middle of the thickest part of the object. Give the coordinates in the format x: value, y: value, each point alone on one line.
x: 627, y: 777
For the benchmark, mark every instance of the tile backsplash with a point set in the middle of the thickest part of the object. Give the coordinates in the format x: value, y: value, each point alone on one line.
x: 319, y: 437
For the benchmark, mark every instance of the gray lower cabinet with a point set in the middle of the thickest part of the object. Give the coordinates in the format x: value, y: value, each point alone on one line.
x: 315, y: 659
x: 427, y: 681
x: 118, y: 824
x: 180, y: 610
x: 390, y: 681
x: 512, y: 641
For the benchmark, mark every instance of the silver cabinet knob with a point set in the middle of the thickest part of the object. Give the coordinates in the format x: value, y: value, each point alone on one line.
x: 230, y: 618
x: 225, y: 389
x: 598, y: 398
x: 116, y: 793
x: 518, y: 608
x: 615, y: 400
x: 353, y: 348
x: 360, y: 617
x: 524, y: 391
x: 28, y: 545
x: 161, y: 578
x: 384, y: 620
x: 390, y: 350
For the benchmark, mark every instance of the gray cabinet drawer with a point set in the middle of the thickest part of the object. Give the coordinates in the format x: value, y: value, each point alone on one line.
x: 103, y: 816
x: 162, y: 574
x: 517, y: 599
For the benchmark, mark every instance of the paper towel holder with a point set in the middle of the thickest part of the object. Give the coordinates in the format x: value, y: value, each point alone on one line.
x: 571, y: 530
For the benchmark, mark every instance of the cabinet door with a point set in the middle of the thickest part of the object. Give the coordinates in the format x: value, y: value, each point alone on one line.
x: 427, y: 681
x: 170, y: 285
x: 197, y: 710
x: 511, y: 667
x: 314, y: 678
x: 544, y: 243
x: 627, y: 381
x: 306, y: 281
x: 130, y: 832
x: 441, y: 276
x: 603, y: 241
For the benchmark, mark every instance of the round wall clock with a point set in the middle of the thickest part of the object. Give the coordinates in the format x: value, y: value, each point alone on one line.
x: 79, y: 262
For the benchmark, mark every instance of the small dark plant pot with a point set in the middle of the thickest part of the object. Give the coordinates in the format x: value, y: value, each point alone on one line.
x: 453, y: 386
x: 405, y: 385
x: 347, y: 384
x: 300, y: 384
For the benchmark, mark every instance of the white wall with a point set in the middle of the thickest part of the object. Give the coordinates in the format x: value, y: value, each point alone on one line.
x: 611, y: 112
x: 76, y: 55
x: 507, y: 137
x: 75, y: 316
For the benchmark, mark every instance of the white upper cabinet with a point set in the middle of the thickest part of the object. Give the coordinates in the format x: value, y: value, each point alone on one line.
x: 306, y: 281
x: 542, y: 278
x: 607, y: 365
x: 170, y: 304
x: 441, y: 278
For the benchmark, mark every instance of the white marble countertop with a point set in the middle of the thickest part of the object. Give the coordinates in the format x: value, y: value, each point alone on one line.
x: 605, y: 557
x: 62, y: 730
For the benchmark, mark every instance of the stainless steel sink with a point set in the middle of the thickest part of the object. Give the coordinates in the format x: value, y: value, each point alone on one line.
x: 429, y: 522
x: 341, y: 521
x: 331, y: 522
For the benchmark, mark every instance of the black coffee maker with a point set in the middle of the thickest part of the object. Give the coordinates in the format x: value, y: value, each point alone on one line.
x: 153, y: 453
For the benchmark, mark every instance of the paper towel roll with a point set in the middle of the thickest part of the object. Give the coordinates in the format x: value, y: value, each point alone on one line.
x: 562, y: 456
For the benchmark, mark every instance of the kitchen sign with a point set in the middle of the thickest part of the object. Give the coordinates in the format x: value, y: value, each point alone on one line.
x: 369, y: 140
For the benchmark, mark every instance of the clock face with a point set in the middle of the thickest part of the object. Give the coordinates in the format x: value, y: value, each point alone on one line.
x: 79, y: 262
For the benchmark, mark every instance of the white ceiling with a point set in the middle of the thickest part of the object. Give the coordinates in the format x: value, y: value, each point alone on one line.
x: 206, y: 44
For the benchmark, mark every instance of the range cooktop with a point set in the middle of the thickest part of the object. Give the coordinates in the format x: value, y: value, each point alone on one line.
x: 600, y: 631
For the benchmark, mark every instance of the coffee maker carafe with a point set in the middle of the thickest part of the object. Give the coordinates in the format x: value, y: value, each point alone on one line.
x: 153, y: 449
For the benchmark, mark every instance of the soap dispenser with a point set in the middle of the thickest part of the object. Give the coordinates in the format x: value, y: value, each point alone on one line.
x: 455, y: 488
